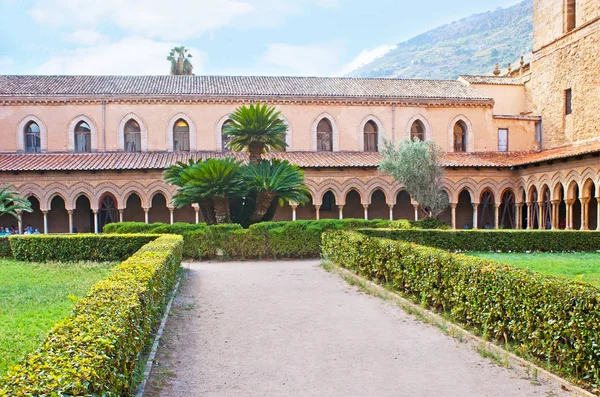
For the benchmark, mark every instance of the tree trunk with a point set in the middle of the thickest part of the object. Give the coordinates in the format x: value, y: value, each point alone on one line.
x: 263, y: 202
x: 255, y: 152
x: 208, y: 211
x: 221, y: 209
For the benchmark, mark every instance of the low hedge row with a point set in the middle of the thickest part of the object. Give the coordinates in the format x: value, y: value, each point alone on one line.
x: 93, y: 352
x: 554, y: 320
x: 155, y: 228
x: 5, y: 251
x: 496, y: 240
x: 76, y: 247
x: 300, y: 239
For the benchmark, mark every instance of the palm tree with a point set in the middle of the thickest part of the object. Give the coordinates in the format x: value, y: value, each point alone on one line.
x: 11, y: 203
x: 180, y: 61
x: 275, y: 180
x: 215, y: 180
x: 256, y: 129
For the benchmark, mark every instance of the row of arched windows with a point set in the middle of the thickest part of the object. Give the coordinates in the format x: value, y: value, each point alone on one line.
x: 132, y: 136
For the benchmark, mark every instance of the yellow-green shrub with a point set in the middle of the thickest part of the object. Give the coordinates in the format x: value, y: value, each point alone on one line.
x: 93, y: 351
x: 554, y: 320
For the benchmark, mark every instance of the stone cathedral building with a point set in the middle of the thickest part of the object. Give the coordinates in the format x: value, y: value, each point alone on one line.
x: 522, y: 149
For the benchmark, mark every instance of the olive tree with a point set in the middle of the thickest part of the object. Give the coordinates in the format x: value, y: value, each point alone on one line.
x: 416, y: 165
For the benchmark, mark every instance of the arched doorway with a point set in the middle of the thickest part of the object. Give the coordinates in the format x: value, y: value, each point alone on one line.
x: 533, y: 209
x: 35, y: 219
x: 159, y: 211
x: 559, y: 195
x: 133, y: 209
x: 328, y: 208
x: 379, y: 208
x: 108, y: 212
x: 464, y: 210
x: 58, y: 217
x: 546, y: 209
x: 588, y: 194
x: 403, y: 209
x: 486, y: 211
x: 507, y: 210
x: 353, y: 207
x: 83, y: 217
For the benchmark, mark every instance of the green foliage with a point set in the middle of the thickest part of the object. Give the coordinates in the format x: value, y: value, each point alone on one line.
x: 496, y: 240
x: 553, y: 320
x: 417, y: 165
x: 5, y: 251
x: 34, y: 297
x: 76, y: 247
x: 257, y: 129
x: 180, y: 61
x: 429, y: 223
x: 11, y: 202
x: 93, y: 352
x: 130, y: 227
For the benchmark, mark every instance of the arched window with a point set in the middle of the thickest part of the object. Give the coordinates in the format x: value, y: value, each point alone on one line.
x: 83, y: 137
x: 33, y: 140
x: 370, y: 136
x: 133, y: 136
x: 181, y: 136
x: 460, y: 136
x: 324, y: 136
x: 417, y: 130
x: 225, y: 139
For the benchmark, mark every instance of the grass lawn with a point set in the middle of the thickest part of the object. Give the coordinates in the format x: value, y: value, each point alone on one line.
x: 33, y: 297
x: 575, y: 266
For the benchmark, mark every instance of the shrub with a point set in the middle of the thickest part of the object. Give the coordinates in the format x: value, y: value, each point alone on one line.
x: 178, y: 228
x: 76, y: 247
x: 429, y: 223
x: 550, y: 319
x: 5, y: 251
x: 130, y: 227
x: 93, y: 352
x: 496, y: 240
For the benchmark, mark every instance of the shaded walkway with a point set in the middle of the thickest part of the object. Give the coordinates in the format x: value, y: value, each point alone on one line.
x: 292, y: 329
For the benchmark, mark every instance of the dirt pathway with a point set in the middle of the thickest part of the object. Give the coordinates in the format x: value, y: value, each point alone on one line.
x: 292, y: 329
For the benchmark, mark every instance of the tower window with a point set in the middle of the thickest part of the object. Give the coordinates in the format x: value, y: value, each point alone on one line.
x: 571, y: 15
x: 568, y: 101
x: 503, y: 139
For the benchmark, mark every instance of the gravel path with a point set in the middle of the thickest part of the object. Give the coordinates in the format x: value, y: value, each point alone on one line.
x: 292, y: 329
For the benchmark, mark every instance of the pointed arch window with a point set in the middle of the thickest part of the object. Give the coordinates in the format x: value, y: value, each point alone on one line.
x: 460, y: 136
x: 417, y: 131
x: 33, y: 140
x: 370, y: 135
x: 83, y: 137
x: 181, y: 136
x: 324, y: 136
x: 225, y: 139
x: 133, y: 136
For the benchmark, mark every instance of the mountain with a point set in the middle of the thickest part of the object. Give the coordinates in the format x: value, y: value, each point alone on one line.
x: 471, y: 45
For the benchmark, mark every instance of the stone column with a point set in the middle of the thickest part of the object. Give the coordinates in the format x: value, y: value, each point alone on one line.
x: 529, y: 213
x: 366, y: 208
x: 585, y: 208
x: 569, y: 204
x: 318, y: 212
x: 496, y: 216
x: 453, y: 208
x: 340, y: 211
x: 555, y: 204
x: 475, y: 211
x: 518, y: 216
x: 541, y: 220
x: 121, y: 213
x: 146, y: 211
x: 391, y: 211
x: 171, y: 215
x: 70, y: 212
x: 197, y: 213
x: 416, y: 207
x: 45, y: 221
x: 294, y: 208
x: 95, y: 221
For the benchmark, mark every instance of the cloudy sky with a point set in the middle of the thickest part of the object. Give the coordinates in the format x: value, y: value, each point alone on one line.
x: 249, y: 37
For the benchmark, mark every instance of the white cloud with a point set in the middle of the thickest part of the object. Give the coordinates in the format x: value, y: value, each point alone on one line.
x: 303, y: 60
x: 365, y: 57
x: 130, y: 56
x: 167, y: 20
x: 85, y: 37
x: 6, y: 64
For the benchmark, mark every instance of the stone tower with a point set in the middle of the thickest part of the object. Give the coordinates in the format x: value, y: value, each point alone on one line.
x: 565, y: 78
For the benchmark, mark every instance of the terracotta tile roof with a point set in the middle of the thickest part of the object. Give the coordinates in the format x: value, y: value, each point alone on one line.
x: 239, y: 86
x: 10, y: 162
x: 495, y: 80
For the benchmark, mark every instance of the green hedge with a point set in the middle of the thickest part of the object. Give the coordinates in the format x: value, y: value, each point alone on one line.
x: 76, y: 247
x: 5, y: 251
x: 554, y: 320
x: 93, y: 352
x: 496, y: 240
x: 155, y: 228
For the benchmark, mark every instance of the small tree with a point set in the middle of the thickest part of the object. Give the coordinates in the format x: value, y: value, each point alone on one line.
x: 10, y: 202
x: 416, y: 165
x: 180, y: 61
